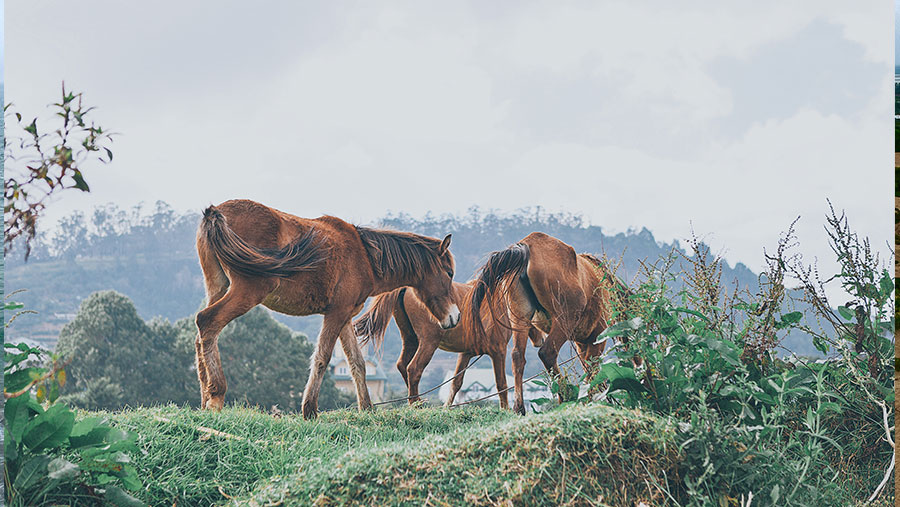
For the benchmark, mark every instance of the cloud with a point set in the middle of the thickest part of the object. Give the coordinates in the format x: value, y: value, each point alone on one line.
x: 815, y: 68
x: 733, y: 117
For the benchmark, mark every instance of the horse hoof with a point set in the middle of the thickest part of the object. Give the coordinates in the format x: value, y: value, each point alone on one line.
x: 309, y: 412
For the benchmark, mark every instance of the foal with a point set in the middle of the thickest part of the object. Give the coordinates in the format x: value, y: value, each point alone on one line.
x: 548, y: 287
x: 422, y: 335
x: 252, y: 254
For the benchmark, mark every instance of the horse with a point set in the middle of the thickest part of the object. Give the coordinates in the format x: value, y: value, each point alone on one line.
x: 422, y: 335
x: 548, y: 287
x: 252, y: 254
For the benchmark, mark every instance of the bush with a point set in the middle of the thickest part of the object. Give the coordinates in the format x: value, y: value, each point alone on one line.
x: 49, y: 458
x: 751, y: 422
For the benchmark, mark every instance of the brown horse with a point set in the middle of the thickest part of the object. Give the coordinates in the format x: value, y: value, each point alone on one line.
x: 252, y: 254
x: 548, y: 287
x: 422, y: 335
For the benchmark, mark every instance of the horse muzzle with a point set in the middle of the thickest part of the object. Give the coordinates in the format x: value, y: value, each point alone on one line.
x: 452, y: 318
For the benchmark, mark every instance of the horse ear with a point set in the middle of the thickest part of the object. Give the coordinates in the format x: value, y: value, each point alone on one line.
x: 445, y: 244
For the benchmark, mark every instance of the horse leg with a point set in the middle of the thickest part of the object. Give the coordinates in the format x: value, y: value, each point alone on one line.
x: 590, y: 353
x: 536, y: 337
x: 238, y: 300
x: 518, y: 361
x: 410, y: 345
x: 332, y: 325
x: 216, y: 286
x: 357, y: 366
x: 549, y: 352
x: 499, y: 361
x: 462, y: 362
x: 427, y: 346
x: 202, y: 374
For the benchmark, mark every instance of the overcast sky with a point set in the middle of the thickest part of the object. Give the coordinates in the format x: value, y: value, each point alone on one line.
x: 732, y: 116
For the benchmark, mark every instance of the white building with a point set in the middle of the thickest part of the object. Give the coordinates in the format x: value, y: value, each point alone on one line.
x: 376, y: 379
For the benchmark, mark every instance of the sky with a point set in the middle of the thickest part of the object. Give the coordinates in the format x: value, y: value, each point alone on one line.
x: 731, y: 118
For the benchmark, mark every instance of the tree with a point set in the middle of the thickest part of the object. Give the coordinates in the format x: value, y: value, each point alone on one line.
x: 116, y: 358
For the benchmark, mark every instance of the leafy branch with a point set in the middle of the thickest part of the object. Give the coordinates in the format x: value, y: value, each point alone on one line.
x: 42, y: 163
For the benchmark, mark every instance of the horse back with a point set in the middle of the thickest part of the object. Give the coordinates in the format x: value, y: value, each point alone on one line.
x: 345, y: 278
x: 553, y: 272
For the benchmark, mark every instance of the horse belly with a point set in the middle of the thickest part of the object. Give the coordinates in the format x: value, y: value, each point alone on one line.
x: 292, y: 299
x: 451, y: 342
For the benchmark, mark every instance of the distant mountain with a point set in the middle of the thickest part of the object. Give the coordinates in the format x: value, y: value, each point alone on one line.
x: 149, y: 255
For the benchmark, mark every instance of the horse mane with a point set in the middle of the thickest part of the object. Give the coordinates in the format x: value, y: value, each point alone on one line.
x: 399, y: 255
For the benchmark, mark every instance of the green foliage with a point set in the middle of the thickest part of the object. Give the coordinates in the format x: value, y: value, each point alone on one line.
x: 750, y: 422
x: 49, y: 458
x: 118, y: 359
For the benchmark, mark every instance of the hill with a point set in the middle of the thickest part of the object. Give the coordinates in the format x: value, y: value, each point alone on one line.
x: 403, y: 456
x: 577, y: 455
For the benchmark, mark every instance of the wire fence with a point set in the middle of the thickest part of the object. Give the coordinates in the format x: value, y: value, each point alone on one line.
x: 529, y: 379
x: 388, y: 402
x: 498, y: 393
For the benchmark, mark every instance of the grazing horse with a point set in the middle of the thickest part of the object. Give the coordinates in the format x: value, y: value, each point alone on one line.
x: 422, y: 335
x: 548, y: 287
x: 252, y: 254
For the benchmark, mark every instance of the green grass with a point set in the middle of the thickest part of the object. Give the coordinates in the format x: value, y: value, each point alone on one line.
x: 577, y: 455
x: 580, y: 455
x: 184, y: 465
x: 476, y: 455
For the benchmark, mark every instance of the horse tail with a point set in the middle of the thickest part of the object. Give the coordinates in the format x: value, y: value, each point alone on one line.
x: 303, y: 254
x: 500, y: 267
x: 372, y: 324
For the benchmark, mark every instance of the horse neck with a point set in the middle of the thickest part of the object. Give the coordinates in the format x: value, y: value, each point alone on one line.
x: 389, y: 283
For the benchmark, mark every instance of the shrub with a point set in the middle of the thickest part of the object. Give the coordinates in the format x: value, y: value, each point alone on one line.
x: 49, y: 458
x: 751, y: 422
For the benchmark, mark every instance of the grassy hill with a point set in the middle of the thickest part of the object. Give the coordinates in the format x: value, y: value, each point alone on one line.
x: 408, y: 456
x: 578, y: 455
